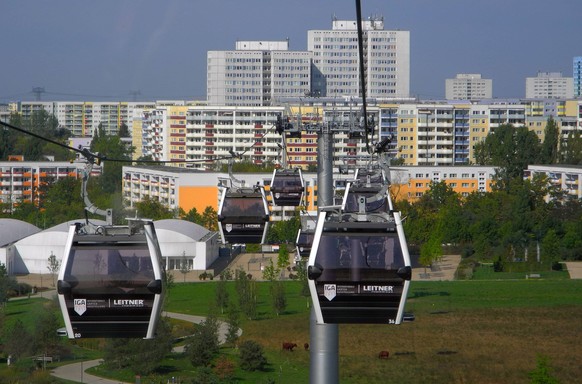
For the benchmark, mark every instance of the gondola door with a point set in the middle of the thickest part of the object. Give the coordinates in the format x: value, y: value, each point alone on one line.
x: 110, y: 285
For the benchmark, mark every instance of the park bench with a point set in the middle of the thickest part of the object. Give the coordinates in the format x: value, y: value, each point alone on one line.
x: 533, y: 276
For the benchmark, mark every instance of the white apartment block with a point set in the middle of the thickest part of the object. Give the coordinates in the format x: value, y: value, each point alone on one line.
x: 549, y: 85
x: 567, y: 178
x: 257, y: 73
x: 468, y: 86
x: 201, y: 134
x: 335, y: 65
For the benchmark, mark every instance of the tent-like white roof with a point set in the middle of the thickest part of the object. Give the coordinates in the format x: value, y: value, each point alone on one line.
x: 187, y: 228
x: 12, y: 230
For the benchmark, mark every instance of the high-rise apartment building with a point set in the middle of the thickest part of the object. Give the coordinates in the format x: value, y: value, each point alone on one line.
x: 577, y: 72
x: 83, y: 118
x: 468, y: 86
x: 257, y: 73
x: 549, y: 85
x: 335, y: 68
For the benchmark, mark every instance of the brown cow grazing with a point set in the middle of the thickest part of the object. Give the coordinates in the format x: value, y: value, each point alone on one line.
x: 383, y: 354
x: 289, y: 346
x: 306, y: 346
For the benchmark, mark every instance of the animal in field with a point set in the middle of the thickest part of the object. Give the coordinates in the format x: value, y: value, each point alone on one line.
x: 306, y: 346
x: 289, y: 346
x: 383, y: 354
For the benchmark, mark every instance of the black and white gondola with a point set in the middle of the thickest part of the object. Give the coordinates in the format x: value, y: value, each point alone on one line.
x: 110, y: 281
x: 359, y: 268
x: 304, y: 242
x: 243, y: 215
x: 287, y: 187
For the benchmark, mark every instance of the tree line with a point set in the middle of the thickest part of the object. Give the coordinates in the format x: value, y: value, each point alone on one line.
x: 519, y: 220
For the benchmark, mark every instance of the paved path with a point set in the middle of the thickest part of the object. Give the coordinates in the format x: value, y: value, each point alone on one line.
x: 76, y: 371
x: 574, y: 269
x: 442, y: 270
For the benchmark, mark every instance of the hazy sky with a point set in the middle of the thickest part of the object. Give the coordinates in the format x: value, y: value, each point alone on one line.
x: 105, y: 49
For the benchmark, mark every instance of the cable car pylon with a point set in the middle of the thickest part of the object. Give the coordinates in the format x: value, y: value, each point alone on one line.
x: 287, y: 186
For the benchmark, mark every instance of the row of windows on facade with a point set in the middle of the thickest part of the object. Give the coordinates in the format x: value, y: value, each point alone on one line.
x: 260, y: 60
x: 341, y: 47
x: 351, y: 38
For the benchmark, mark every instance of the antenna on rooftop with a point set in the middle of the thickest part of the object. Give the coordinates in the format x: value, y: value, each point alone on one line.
x: 38, y: 91
x: 135, y: 94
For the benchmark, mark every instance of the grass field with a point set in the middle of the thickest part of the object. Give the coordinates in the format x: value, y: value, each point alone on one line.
x: 477, y: 331
x: 465, y: 332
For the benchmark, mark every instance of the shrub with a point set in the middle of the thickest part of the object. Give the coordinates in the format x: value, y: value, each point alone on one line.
x: 542, y: 374
x: 251, y: 356
x: 498, y: 265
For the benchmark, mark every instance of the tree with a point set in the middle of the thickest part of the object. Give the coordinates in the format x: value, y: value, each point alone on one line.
x: 192, y: 216
x: 7, y: 283
x: 283, y: 257
x: 33, y: 148
x: 549, y: 149
x: 153, y: 209
x: 123, y: 131
x: 184, y: 265
x: 63, y: 201
x: 46, y: 340
x: 222, y: 296
x: 8, y: 137
x: 247, y: 297
x: 511, y: 150
x: 302, y: 275
x: 551, y: 247
x: 139, y: 355
x: 224, y: 368
x: 430, y: 252
x: 53, y: 266
x: 233, y: 323
x: 285, y: 231
x: 278, y: 297
x: 210, y: 219
x: 111, y: 147
x: 271, y: 273
x: 17, y: 340
x: 571, y: 149
x: 251, y: 356
x: 203, y: 345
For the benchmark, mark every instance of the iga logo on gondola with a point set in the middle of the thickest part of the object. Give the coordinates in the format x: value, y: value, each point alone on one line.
x: 80, y: 306
x: 329, y: 291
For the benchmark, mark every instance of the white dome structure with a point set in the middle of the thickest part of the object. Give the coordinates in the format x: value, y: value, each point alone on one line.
x: 184, y: 241
x: 31, y: 254
x: 12, y: 230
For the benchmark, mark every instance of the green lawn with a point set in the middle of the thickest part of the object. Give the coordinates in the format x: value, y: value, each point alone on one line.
x: 476, y: 331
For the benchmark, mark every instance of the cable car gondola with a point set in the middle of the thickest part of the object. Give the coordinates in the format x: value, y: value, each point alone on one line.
x: 243, y: 215
x: 287, y: 187
x: 110, y: 282
x: 304, y: 242
x: 359, y: 267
